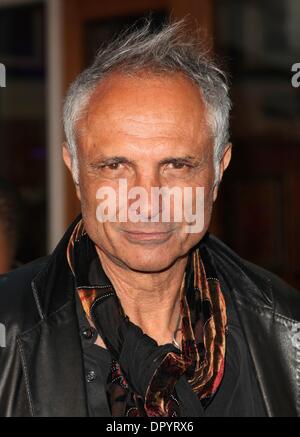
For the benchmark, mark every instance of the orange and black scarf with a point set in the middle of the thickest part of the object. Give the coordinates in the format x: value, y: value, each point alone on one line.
x: 147, y: 379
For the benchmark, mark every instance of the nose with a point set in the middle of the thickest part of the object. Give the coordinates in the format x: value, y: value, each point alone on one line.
x: 150, y: 204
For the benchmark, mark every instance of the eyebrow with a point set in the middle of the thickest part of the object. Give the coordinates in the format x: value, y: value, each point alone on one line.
x: 108, y: 161
x: 186, y: 159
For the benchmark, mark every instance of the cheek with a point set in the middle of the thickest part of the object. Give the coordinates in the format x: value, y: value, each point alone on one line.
x: 88, y: 198
x: 88, y: 190
x: 208, y: 205
x: 97, y: 230
x: 206, y: 197
x: 202, y: 211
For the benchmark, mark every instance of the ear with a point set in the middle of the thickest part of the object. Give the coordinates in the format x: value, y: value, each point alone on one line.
x: 68, y: 160
x: 222, y: 167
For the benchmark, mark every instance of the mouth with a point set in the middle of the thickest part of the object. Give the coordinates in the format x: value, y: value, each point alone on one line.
x: 152, y: 237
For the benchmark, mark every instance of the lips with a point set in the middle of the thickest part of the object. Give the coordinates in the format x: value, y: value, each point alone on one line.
x: 147, y: 236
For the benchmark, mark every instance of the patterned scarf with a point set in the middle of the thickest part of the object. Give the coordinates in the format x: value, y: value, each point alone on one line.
x: 146, y: 379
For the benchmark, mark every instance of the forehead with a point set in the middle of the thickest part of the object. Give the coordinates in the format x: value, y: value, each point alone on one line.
x: 145, y: 105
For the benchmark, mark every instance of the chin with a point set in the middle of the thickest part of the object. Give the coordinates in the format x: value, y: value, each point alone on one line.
x: 148, y: 266
x: 149, y: 259
x: 144, y: 256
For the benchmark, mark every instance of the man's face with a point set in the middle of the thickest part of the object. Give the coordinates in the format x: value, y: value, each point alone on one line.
x: 150, y: 131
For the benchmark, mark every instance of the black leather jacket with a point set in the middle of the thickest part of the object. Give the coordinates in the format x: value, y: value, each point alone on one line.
x: 41, y: 365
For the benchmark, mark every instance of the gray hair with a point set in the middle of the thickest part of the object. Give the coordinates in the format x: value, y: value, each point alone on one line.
x: 162, y: 51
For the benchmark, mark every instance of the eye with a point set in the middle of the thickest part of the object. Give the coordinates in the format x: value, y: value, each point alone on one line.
x: 178, y: 165
x: 109, y: 167
x: 113, y: 166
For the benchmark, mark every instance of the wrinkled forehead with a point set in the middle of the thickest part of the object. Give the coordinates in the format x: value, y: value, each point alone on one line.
x: 146, y: 105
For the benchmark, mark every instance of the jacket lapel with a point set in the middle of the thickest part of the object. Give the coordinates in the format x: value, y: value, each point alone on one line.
x: 51, y: 351
x: 273, y: 339
x: 53, y: 366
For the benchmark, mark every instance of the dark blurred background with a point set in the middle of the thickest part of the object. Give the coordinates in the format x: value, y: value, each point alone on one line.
x: 45, y: 44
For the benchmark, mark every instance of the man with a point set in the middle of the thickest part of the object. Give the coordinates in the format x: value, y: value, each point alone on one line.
x: 137, y: 313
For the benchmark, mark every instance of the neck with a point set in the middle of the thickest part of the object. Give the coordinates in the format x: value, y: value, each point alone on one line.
x: 150, y: 300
